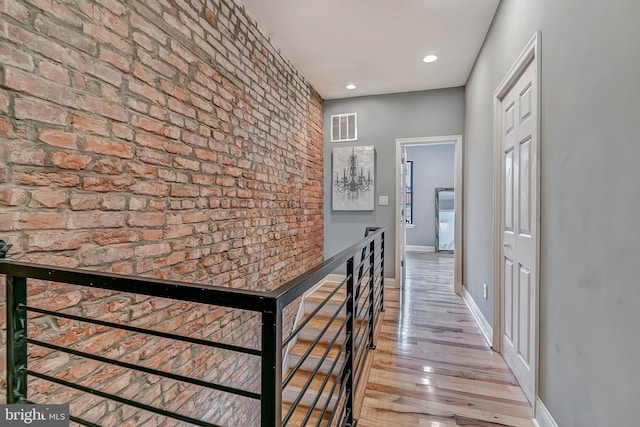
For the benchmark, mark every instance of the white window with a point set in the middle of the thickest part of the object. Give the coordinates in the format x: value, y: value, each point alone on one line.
x: 344, y: 127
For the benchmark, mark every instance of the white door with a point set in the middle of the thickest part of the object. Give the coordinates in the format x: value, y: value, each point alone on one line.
x: 403, y: 217
x: 519, y: 227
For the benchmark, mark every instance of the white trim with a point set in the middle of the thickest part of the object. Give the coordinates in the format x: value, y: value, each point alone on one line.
x: 543, y: 416
x: 410, y: 226
x: 531, y: 53
x: 416, y: 248
x: 459, y: 192
x: 389, y: 282
x: 485, y: 327
x: 355, y: 131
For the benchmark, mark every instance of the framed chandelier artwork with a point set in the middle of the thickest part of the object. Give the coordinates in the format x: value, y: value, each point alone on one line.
x: 353, y: 178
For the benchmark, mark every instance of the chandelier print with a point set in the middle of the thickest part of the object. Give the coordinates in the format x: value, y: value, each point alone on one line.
x: 353, y: 182
x: 353, y: 178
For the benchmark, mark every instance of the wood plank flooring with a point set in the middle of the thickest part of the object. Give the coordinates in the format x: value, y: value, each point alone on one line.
x: 432, y: 367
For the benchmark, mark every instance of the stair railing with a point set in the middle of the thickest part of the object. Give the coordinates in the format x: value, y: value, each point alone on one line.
x: 363, y: 263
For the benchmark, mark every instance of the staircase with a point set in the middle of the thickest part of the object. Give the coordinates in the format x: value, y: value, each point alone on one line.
x: 330, y: 334
x: 319, y: 371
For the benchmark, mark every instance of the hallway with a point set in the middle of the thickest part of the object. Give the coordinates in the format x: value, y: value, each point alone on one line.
x: 432, y: 366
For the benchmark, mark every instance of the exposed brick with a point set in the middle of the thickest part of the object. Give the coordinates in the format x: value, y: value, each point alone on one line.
x: 196, y: 153
x: 141, y: 24
x: 25, y: 155
x: 54, y: 72
x: 85, y: 123
x: 12, y: 196
x: 42, y: 45
x: 148, y: 124
x: 108, y: 147
x: 151, y: 235
x: 153, y: 249
x: 114, y: 237
x: 40, y: 220
x: 70, y: 161
x: 16, y: 10
x: 48, y: 198
x: 65, y: 34
x: 113, y: 202
x: 102, y: 108
x: 108, y: 166
x: 147, y: 91
x: 84, y: 201
x: 122, y: 131
x: 182, y: 163
x: 10, y: 55
x: 121, y: 62
x: 92, y: 220
x: 4, y: 103
x: 21, y: 81
x: 46, y: 178
x: 58, y: 138
x: 150, y: 188
x: 100, y: 184
x: 36, y: 110
x: 150, y: 219
x: 56, y: 240
x: 58, y: 10
x: 99, y: 32
x: 153, y: 157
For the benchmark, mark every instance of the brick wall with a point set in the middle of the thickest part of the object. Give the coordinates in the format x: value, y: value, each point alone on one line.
x: 162, y: 138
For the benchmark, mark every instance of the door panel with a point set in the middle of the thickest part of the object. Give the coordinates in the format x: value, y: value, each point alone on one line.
x: 508, y: 296
x: 524, y: 293
x: 519, y: 148
x: 525, y: 188
x: 508, y: 205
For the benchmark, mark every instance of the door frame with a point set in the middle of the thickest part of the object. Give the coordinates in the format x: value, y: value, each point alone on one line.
x: 456, y: 140
x: 530, y: 54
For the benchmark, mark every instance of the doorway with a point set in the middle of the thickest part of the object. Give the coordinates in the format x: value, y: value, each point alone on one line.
x: 401, y: 224
x: 517, y: 119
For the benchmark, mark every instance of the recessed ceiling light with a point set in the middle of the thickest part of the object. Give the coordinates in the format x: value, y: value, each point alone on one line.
x: 350, y: 86
x: 430, y: 58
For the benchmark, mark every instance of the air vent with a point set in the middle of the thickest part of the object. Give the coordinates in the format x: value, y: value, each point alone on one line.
x: 344, y: 127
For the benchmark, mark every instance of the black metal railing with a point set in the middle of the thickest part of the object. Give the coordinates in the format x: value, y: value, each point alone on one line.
x: 349, y: 328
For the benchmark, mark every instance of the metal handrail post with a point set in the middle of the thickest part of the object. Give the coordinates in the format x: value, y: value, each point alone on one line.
x: 382, y: 272
x: 271, y: 388
x: 372, y: 283
x: 16, y: 339
x: 348, y: 371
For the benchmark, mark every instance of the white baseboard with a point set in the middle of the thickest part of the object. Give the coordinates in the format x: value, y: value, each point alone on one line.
x: 543, y: 416
x: 390, y: 282
x: 485, y: 327
x: 415, y: 248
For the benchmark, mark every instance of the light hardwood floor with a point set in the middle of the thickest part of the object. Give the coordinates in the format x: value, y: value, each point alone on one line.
x: 432, y: 366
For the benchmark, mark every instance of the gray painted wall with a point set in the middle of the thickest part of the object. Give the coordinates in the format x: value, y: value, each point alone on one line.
x: 432, y: 168
x: 382, y: 119
x: 590, y: 239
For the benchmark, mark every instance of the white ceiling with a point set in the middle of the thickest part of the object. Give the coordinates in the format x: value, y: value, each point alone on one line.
x: 376, y: 44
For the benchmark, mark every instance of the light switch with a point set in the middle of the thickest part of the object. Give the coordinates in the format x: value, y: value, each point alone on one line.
x: 383, y: 201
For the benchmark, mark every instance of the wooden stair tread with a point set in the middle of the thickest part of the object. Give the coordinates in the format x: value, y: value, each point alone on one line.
x: 318, y: 351
x: 301, y: 411
x: 305, y: 338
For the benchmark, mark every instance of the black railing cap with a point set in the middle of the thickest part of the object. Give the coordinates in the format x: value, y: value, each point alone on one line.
x: 215, y: 295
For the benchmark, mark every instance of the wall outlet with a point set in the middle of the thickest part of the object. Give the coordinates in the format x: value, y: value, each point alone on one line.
x: 485, y: 291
